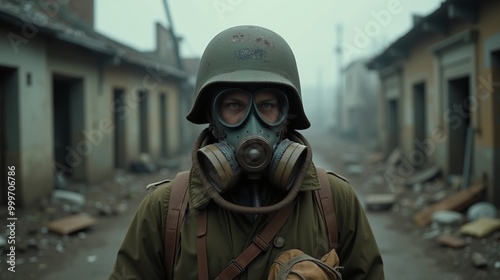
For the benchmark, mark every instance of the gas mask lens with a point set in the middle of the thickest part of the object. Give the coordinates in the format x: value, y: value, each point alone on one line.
x: 234, y: 106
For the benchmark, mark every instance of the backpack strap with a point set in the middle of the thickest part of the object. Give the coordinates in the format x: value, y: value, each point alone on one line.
x: 176, y: 210
x: 177, y: 206
x: 260, y: 243
x: 324, y: 199
x: 201, y: 245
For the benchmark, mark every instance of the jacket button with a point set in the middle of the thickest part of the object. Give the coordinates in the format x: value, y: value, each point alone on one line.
x: 279, y: 242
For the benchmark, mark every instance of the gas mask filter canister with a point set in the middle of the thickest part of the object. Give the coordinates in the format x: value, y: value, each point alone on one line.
x: 251, y: 125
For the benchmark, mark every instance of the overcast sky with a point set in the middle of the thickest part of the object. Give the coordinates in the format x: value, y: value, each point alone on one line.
x: 308, y: 26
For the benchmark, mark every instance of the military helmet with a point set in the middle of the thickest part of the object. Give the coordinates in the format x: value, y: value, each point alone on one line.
x: 248, y: 54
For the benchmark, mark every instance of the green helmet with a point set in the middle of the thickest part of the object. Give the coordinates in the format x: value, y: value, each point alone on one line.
x: 248, y: 54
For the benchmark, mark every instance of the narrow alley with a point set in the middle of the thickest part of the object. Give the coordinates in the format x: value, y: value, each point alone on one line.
x: 403, y: 98
x: 406, y: 249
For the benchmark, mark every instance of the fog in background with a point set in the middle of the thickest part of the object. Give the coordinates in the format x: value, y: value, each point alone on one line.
x: 310, y: 27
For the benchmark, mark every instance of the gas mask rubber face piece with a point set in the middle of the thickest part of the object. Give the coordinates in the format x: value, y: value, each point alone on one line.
x: 252, y: 126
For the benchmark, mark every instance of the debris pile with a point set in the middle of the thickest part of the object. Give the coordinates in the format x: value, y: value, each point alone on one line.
x: 442, y: 212
x: 424, y: 203
x: 64, y: 220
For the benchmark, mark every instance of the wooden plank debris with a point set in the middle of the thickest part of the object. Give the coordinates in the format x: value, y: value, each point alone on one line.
x: 450, y: 241
x: 456, y: 202
x: 70, y: 224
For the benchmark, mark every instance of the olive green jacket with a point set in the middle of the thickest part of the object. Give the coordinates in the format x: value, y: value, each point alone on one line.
x: 141, y: 255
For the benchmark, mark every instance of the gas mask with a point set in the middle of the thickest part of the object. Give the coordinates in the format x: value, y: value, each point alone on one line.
x: 249, y: 127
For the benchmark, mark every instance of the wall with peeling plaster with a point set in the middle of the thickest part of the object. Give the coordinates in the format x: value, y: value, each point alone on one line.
x: 28, y: 144
x: 435, y: 60
x: 30, y: 124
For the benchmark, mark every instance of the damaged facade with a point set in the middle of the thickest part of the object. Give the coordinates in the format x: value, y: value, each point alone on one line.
x: 440, y: 94
x: 75, y: 102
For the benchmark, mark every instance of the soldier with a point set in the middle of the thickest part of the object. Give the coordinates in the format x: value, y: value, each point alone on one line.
x: 254, y: 205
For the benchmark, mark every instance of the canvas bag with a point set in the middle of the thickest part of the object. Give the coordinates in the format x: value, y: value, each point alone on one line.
x: 296, y: 265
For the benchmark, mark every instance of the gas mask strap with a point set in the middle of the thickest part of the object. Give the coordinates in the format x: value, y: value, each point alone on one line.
x: 215, y: 195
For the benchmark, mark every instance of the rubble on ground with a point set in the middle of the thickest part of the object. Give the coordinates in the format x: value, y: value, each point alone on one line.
x: 69, y: 215
x: 437, y: 210
x: 70, y: 224
x: 143, y: 164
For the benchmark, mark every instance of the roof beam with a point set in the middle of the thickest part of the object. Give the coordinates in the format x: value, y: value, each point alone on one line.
x: 434, y: 27
x: 374, y: 65
x: 468, y: 35
x: 463, y: 11
x: 397, y: 52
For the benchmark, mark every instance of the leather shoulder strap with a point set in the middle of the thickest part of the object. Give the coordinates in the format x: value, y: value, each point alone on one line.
x: 260, y: 243
x: 324, y: 198
x: 177, y: 206
x: 201, y: 243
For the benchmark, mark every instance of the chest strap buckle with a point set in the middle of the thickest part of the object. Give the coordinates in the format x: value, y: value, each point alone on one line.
x: 261, y: 243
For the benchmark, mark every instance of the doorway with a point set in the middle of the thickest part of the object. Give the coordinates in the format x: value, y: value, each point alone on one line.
x: 68, y: 121
x: 143, y: 122
x: 459, y: 125
x: 393, y: 124
x: 119, y: 117
x: 495, y: 69
x: 420, y: 127
x: 9, y: 125
x: 163, y: 125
